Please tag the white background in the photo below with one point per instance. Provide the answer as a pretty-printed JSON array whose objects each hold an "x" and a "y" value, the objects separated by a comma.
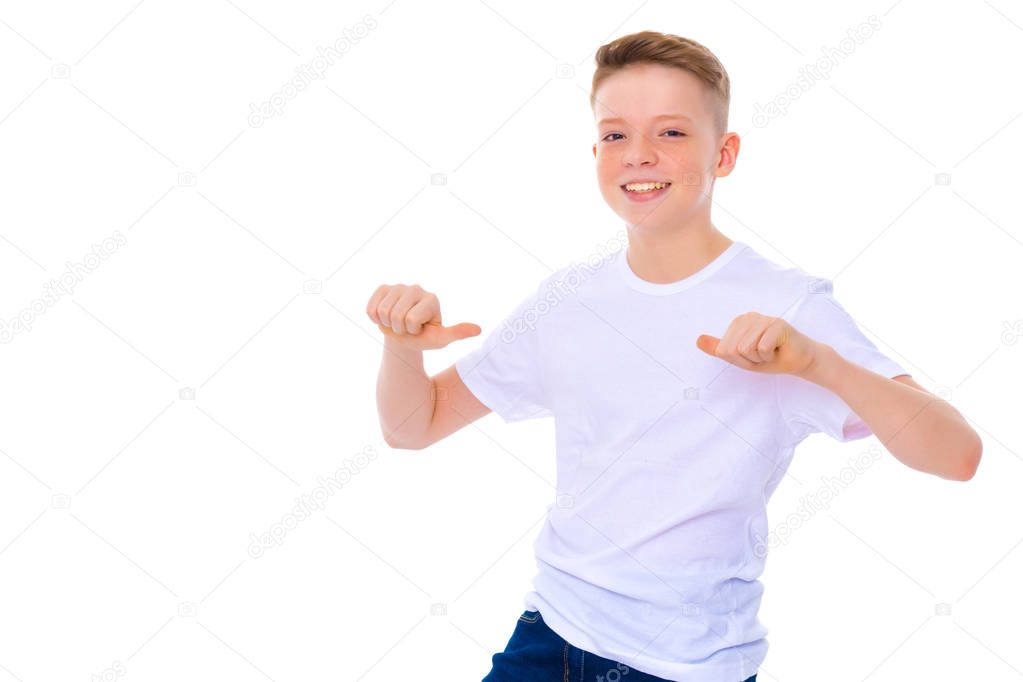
[{"x": 128, "y": 509}]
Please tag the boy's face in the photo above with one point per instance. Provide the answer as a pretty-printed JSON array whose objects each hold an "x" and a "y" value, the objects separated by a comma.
[{"x": 661, "y": 128}]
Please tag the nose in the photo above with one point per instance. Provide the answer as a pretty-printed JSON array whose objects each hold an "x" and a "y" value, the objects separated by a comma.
[{"x": 639, "y": 152}]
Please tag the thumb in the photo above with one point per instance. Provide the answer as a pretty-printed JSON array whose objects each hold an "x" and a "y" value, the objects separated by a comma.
[
  {"x": 708, "y": 344},
  {"x": 460, "y": 331}
]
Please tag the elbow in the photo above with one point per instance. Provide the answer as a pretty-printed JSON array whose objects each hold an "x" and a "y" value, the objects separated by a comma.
[
  {"x": 397, "y": 445},
  {"x": 970, "y": 462},
  {"x": 396, "y": 437},
  {"x": 420, "y": 443}
]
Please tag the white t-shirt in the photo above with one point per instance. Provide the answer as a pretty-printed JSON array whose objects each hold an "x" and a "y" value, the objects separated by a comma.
[{"x": 666, "y": 456}]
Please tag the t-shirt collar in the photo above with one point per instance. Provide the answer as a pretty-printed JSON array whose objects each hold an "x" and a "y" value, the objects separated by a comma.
[{"x": 642, "y": 285}]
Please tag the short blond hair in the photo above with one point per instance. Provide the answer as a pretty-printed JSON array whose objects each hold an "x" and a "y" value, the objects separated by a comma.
[{"x": 652, "y": 47}]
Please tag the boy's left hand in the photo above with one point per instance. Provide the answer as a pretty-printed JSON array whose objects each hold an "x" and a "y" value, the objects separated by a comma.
[{"x": 761, "y": 343}]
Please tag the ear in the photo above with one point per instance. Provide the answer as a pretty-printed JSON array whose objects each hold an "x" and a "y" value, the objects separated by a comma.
[
  {"x": 728, "y": 155},
  {"x": 594, "y": 150}
]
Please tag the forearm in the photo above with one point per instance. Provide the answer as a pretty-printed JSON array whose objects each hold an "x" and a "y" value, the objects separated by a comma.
[
  {"x": 405, "y": 396},
  {"x": 920, "y": 429}
]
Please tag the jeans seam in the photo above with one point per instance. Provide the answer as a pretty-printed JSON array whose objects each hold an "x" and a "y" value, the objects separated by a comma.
[{"x": 566, "y": 662}]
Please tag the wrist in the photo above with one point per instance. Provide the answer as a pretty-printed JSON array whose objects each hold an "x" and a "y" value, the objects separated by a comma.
[
  {"x": 827, "y": 367},
  {"x": 402, "y": 351}
]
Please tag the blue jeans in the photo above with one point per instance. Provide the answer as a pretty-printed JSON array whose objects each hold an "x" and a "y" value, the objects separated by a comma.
[{"x": 538, "y": 654}]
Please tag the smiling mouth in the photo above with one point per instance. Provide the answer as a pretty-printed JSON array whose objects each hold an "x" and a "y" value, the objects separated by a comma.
[
  {"x": 645, "y": 187},
  {"x": 645, "y": 191}
]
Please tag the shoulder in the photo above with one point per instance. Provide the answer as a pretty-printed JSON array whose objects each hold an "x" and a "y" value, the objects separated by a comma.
[
  {"x": 777, "y": 287},
  {"x": 578, "y": 273}
]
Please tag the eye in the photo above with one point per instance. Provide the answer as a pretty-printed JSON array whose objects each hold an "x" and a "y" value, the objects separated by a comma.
[{"x": 679, "y": 134}]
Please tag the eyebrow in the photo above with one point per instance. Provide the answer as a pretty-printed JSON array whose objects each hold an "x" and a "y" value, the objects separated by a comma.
[{"x": 656, "y": 118}]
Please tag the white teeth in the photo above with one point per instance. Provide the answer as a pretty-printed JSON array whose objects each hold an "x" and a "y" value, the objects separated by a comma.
[{"x": 645, "y": 186}]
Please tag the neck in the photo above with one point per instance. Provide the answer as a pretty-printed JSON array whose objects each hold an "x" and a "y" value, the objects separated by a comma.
[{"x": 665, "y": 257}]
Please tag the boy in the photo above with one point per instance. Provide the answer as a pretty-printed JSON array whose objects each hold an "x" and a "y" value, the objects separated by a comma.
[{"x": 669, "y": 439}]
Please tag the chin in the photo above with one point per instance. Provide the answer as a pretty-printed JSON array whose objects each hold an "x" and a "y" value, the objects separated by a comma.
[{"x": 640, "y": 222}]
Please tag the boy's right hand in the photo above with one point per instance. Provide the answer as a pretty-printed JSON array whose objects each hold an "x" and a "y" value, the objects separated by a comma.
[{"x": 410, "y": 315}]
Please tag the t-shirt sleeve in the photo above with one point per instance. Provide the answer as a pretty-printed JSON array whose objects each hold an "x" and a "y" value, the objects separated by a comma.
[
  {"x": 504, "y": 373},
  {"x": 807, "y": 407}
]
